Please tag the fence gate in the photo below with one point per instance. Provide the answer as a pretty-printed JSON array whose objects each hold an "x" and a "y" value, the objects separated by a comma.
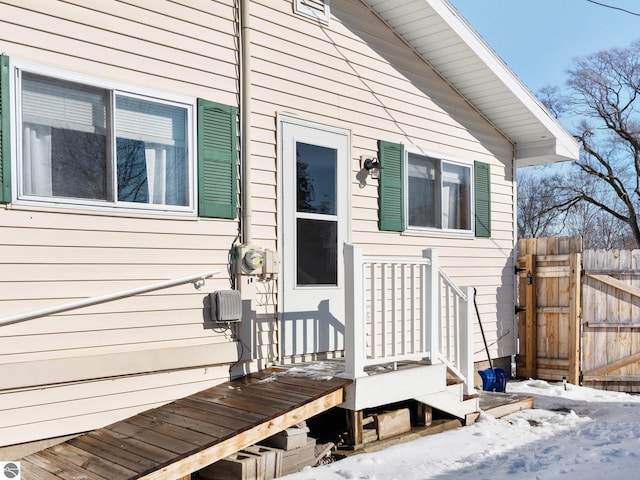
[
  {"x": 548, "y": 308},
  {"x": 611, "y": 320}
]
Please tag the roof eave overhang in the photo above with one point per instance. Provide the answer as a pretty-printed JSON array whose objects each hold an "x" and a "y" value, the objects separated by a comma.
[{"x": 503, "y": 100}]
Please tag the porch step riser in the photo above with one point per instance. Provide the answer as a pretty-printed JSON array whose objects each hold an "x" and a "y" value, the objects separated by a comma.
[
  {"x": 395, "y": 386},
  {"x": 451, "y": 401}
]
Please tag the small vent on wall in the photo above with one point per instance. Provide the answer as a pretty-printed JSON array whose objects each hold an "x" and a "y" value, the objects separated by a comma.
[
  {"x": 226, "y": 306},
  {"x": 316, "y": 9}
]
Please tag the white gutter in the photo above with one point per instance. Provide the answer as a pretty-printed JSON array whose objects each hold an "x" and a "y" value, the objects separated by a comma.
[{"x": 245, "y": 119}]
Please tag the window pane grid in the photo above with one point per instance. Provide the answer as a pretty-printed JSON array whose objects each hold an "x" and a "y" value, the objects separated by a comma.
[
  {"x": 438, "y": 193},
  {"x": 84, "y": 143}
]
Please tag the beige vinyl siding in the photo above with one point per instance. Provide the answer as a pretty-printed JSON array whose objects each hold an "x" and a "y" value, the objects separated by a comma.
[
  {"x": 357, "y": 74},
  {"x": 85, "y": 368},
  {"x": 174, "y": 47}
]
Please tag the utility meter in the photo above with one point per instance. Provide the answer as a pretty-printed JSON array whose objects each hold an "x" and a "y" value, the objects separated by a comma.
[{"x": 252, "y": 260}]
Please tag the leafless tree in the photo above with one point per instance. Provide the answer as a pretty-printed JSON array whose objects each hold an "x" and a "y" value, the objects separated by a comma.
[
  {"x": 537, "y": 215},
  {"x": 604, "y": 93}
]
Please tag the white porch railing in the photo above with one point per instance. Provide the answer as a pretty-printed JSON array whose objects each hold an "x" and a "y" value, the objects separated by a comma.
[{"x": 405, "y": 309}]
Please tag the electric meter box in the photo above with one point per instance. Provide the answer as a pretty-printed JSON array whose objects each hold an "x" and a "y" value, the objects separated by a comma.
[{"x": 252, "y": 260}]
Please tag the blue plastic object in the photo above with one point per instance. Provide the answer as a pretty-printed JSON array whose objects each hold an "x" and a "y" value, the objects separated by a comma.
[{"x": 493, "y": 379}]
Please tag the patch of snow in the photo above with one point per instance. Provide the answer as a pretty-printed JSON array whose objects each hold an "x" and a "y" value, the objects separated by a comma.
[{"x": 574, "y": 433}]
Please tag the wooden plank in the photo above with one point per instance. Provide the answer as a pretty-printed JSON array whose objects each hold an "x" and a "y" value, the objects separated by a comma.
[
  {"x": 617, "y": 284},
  {"x": 171, "y": 430},
  {"x": 190, "y": 408},
  {"x": 250, "y": 396},
  {"x": 355, "y": 424},
  {"x": 61, "y": 467},
  {"x": 241, "y": 404},
  {"x": 574, "y": 318},
  {"x": 30, "y": 470},
  {"x": 558, "y": 363},
  {"x": 189, "y": 422},
  {"x": 127, "y": 430},
  {"x": 611, "y": 325},
  {"x": 614, "y": 365},
  {"x": 246, "y": 438},
  {"x": 530, "y": 315},
  {"x": 555, "y": 271},
  {"x": 509, "y": 407},
  {"x": 552, "y": 310},
  {"x": 98, "y": 447},
  {"x": 611, "y": 378},
  {"x": 553, "y": 289},
  {"x": 547, "y": 258},
  {"x": 91, "y": 464}
]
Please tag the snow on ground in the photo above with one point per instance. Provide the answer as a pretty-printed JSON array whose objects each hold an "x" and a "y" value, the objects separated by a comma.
[{"x": 577, "y": 433}]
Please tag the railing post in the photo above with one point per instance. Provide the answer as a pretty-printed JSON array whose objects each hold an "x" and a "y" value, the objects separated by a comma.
[
  {"x": 433, "y": 304},
  {"x": 354, "y": 319},
  {"x": 466, "y": 341}
]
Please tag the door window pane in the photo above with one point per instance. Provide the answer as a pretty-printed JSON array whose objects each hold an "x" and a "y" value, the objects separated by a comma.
[
  {"x": 316, "y": 176},
  {"x": 317, "y": 252}
]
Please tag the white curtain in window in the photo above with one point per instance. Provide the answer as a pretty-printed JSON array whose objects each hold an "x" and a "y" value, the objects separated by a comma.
[
  {"x": 451, "y": 205},
  {"x": 455, "y": 182},
  {"x": 156, "y": 173},
  {"x": 165, "y": 179},
  {"x": 36, "y": 155}
]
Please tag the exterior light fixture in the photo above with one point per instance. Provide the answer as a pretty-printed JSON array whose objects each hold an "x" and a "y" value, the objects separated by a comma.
[{"x": 373, "y": 166}]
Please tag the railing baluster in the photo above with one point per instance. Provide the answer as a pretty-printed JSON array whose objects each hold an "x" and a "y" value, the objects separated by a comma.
[
  {"x": 383, "y": 310},
  {"x": 412, "y": 306},
  {"x": 394, "y": 309},
  {"x": 374, "y": 312}
]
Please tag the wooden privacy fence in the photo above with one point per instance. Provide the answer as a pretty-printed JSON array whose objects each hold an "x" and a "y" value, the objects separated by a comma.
[
  {"x": 611, "y": 319},
  {"x": 579, "y": 314},
  {"x": 548, "y": 308}
]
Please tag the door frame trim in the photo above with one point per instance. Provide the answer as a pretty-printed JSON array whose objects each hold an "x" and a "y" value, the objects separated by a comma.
[{"x": 281, "y": 119}]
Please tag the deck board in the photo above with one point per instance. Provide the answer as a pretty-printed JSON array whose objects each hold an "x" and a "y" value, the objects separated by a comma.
[{"x": 188, "y": 434}]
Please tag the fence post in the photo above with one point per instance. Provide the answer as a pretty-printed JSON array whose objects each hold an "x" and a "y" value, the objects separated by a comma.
[
  {"x": 354, "y": 319},
  {"x": 432, "y": 310},
  {"x": 466, "y": 342},
  {"x": 531, "y": 340},
  {"x": 575, "y": 286}
]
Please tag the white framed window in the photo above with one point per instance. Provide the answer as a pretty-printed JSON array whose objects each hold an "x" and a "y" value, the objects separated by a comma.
[
  {"x": 424, "y": 192},
  {"x": 438, "y": 193},
  {"x": 88, "y": 141},
  {"x": 315, "y": 9}
]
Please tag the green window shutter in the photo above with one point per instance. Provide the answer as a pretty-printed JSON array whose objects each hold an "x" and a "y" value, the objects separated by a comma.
[
  {"x": 391, "y": 186},
  {"x": 217, "y": 164},
  {"x": 483, "y": 199},
  {"x": 5, "y": 150}
]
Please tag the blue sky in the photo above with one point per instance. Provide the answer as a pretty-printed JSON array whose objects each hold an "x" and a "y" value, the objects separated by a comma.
[{"x": 539, "y": 39}]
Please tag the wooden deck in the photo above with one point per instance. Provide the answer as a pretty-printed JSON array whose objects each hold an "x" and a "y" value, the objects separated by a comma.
[{"x": 184, "y": 436}]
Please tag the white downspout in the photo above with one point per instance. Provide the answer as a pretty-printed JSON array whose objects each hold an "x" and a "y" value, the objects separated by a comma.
[
  {"x": 245, "y": 120},
  {"x": 515, "y": 258}
]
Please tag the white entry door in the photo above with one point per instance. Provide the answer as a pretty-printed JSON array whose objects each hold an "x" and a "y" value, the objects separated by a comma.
[{"x": 315, "y": 225}]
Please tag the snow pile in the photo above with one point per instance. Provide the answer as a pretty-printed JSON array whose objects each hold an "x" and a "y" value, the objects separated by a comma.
[{"x": 574, "y": 433}]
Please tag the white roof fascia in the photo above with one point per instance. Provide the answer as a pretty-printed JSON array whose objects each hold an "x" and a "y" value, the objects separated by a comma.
[{"x": 541, "y": 138}]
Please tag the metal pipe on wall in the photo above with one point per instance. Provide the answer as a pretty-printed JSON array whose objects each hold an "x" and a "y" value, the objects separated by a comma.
[{"x": 245, "y": 120}]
